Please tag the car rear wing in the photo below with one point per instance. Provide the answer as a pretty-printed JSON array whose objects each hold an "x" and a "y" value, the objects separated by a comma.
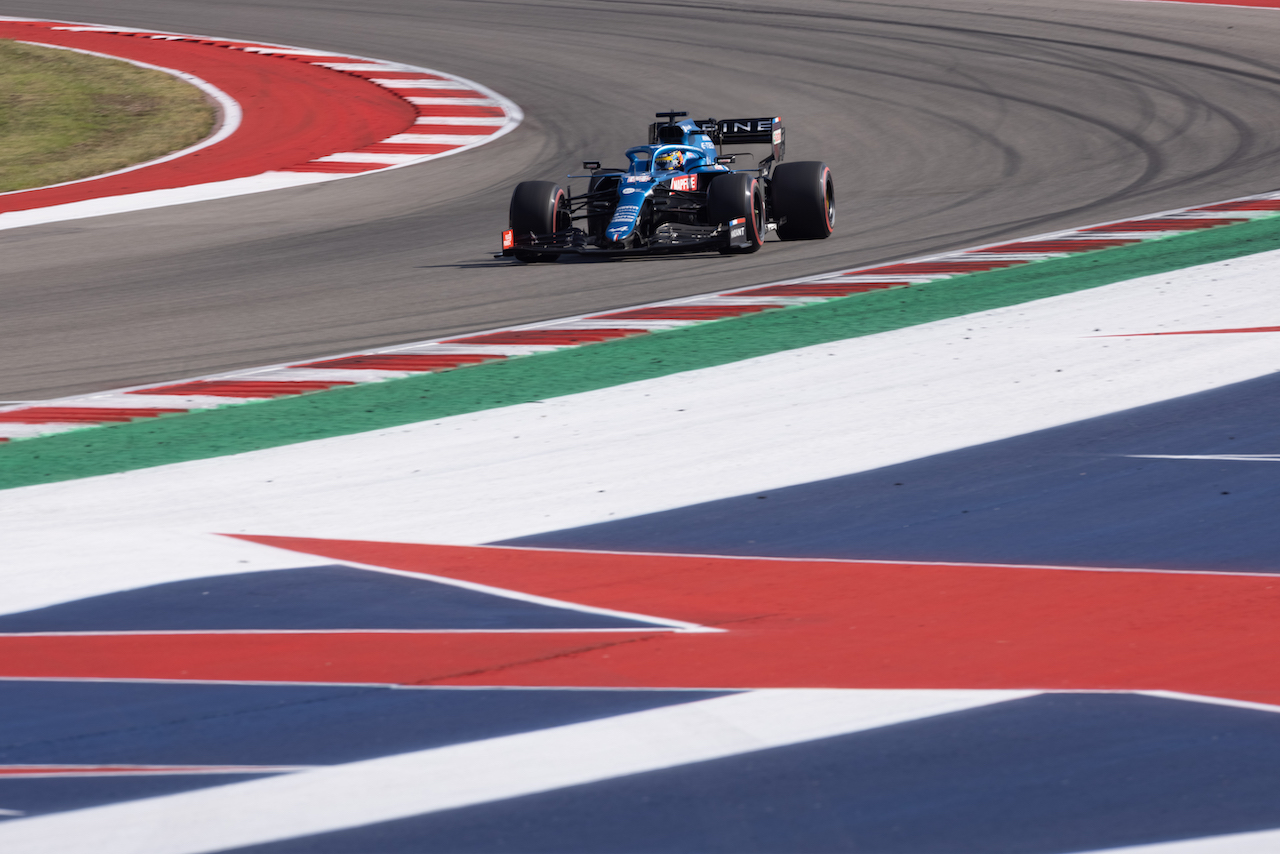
[{"x": 764, "y": 131}]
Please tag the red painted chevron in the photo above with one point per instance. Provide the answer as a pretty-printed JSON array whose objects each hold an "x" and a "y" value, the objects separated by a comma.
[{"x": 784, "y": 623}]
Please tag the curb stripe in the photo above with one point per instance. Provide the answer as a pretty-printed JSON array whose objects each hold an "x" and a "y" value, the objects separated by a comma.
[
  {"x": 1163, "y": 224},
  {"x": 380, "y": 400},
  {"x": 16, "y": 422},
  {"x": 245, "y": 389},
  {"x": 72, "y": 415},
  {"x": 484, "y": 114}
]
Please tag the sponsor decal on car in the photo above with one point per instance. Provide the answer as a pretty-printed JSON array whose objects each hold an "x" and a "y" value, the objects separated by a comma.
[
  {"x": 638, "y": 179},
  {"x": 622, "y": 222},
  {"x": 632, "y": 190},
  {"x": 685, "y": 183},
  {"x": 746, "y": 125},
  {"x": 508, "y": 239}
]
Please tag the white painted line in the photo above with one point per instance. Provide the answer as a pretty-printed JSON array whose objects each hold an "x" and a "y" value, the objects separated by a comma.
[
  {"x": 656, "y": 623},
  {"x": 1140, "y": 234},
  {"x": 1247, "y": 458},
  {"x": 1193, "y": 213},
  {"x": 1257, "y": 842},
  {"x": 453, "y": 102},
  {"x": 1215, "y": 701},
  {"x": 160, "y": 198},
  {"x": 438, "y": 349},
  {"x": 427, "y": 781},
  {"x": 496, "y": 121},
  {"x": 88, "y": 29},
  {"x": 337, "y": 375},
  {"x": 364, "y": 157},
  {"x": 110, "y": 401},
  {"x": 150, "y": 401},
  {"x": 369, "y": 65},
  {"x": 11, "y": 430},
  {"x": 874, "y": 279},
  {"x": 14, "y": 430},
  {"x": 434, "y": 139},
  {"x": 280, "y": 51},
  {"x": 638, "y": 325},
  {"x": 416, "y": 84},
  {"x": 273, "y": 374}
]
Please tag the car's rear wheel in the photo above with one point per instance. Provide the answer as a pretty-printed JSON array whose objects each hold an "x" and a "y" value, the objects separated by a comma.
[
  {"x": 738, "y": 196},
  {"x": 538, "y": 208},
  {"x": 804, "y": 200}
]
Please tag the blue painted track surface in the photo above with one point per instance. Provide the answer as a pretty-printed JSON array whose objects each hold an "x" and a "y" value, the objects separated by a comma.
[
  {"x": 306, "y": 598},
  {"x": 114, "y": 723},
  {"x": 1066, "y": 496},
  {"x": 1052, "y": 773}
]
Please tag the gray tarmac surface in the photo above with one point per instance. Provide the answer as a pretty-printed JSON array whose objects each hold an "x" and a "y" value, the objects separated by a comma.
[{"x": 947, "y": 123}]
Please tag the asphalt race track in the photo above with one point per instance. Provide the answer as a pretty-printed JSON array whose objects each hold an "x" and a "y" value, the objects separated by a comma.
[
  {"x": 985, "y": 565},
  {"x": 947, "y": 124}
]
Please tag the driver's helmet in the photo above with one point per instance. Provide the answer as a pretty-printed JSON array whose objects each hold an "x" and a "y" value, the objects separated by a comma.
[{"x": 670, "y": 160}]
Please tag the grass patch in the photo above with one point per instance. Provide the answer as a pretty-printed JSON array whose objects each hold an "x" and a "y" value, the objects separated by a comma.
[{"x": 66, "y": 115}]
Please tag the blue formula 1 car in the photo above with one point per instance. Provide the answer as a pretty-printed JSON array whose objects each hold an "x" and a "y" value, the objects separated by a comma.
[{"x": 677, "y": 194}]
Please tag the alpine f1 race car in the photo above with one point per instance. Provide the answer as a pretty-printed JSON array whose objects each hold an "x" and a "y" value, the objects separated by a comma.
[{"x": 677, "y": 194}]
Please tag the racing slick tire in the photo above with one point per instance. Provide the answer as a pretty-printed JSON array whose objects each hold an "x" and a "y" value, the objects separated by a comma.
[
  {"x": 804, "y": 200},
  {"x": 541, "y": 208},
  {"x": 738, "y": 196}
]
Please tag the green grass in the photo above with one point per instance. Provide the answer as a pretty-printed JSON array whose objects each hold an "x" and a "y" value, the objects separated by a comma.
[{"x": 65, "y": 115}]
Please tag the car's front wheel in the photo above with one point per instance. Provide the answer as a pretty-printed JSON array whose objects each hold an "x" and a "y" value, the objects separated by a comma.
[
  {"x": 538, "y": 208},
  {"x": 738, "y": 196}
]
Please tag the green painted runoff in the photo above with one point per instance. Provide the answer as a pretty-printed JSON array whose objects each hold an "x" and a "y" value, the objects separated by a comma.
[{"x": 244, "y": 427}]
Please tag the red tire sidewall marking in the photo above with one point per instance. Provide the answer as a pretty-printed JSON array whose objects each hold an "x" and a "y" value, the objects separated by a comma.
[
  {"x": 751, "y": 211},
  {"x": 828, "y": 212}
]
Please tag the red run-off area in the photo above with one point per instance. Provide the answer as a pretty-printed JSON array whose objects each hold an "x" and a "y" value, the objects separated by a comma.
[
  {"x": 785, "y": 623},
  {"x": 288, "y": 111}
]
